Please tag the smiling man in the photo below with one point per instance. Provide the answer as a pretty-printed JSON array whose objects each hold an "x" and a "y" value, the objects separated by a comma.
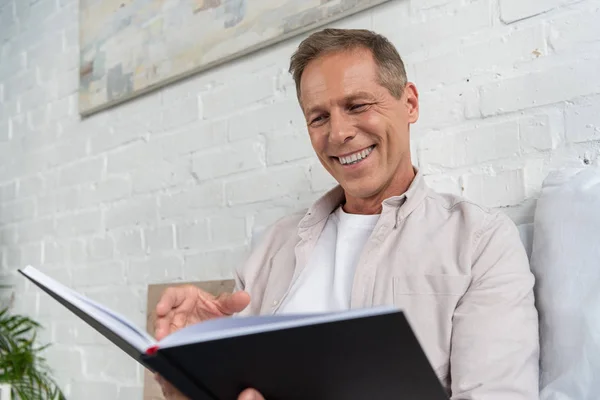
[{"x": 457, "y": 269}]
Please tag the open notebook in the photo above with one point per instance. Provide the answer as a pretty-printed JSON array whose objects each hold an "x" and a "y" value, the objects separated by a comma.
[{"x": 364, "y": 353}]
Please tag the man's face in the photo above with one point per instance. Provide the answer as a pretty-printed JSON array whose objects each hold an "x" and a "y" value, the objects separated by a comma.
[{"x": 359, "y": 131}]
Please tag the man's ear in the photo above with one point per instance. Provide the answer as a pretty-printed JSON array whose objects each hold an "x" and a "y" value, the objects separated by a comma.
[{"x": 411, "y": 95}]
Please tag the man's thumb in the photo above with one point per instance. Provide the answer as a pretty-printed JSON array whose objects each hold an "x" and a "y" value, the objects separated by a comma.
[{"x": 233, "y": 303}]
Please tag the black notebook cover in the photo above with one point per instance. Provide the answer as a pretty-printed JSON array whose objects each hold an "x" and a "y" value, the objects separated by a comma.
[{"x": 375, "y": 357}]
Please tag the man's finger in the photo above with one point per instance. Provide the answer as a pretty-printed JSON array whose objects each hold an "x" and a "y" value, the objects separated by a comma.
[
  {"x": 250, "y": 394},
  {"x": 171, "y": 298},
  {"x": 233, "y": 303}
]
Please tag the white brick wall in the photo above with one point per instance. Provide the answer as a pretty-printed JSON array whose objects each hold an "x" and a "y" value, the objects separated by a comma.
[{"x": 171, "y": 185}]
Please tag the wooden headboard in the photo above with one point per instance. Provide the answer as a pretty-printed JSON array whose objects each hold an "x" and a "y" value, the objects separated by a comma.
[{"x": 151, "y": 388}]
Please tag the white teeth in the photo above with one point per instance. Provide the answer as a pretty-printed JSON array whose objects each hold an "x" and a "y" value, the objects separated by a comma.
[{"x": 356, "y": 157}]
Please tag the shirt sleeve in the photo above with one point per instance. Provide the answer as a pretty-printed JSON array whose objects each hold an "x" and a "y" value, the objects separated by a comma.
[{"x": 495, "y": 338}]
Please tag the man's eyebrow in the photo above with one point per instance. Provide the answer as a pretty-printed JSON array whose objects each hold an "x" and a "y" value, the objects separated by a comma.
[
  {"x": 359, "y": 95},
  {"x": 346, "y": 99}
]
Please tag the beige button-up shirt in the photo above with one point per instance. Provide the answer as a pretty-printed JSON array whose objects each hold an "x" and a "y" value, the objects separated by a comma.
[{"x": 458, "y": 270}]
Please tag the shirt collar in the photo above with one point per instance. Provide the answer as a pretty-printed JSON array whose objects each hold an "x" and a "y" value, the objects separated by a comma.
[{"x": 402, "y": 204}]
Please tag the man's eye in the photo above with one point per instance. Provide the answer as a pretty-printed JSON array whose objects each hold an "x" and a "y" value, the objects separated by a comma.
[
  {"x": 358, "y": 107},
  {"x": 317, "y": 120}
]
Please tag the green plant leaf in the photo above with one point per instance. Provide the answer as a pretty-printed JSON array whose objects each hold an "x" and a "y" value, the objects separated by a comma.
[{"x": 21, "y": 363}]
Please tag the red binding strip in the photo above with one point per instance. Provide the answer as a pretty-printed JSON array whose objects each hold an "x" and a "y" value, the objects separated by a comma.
[{"x": 152, "y": 350}]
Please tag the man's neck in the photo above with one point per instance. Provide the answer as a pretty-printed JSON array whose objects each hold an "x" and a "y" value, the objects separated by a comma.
[{"x": 373, "y": 205}]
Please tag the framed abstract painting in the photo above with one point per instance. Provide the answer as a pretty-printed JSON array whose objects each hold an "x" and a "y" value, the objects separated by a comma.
[{"x": 129, "y": 47}]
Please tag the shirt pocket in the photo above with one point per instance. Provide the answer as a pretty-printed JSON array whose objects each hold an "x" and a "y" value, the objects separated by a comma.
[{"x": 428, "y": 302}]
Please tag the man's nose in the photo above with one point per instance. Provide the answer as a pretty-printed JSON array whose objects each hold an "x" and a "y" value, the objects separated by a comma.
[{"x": 341, "y": 129}]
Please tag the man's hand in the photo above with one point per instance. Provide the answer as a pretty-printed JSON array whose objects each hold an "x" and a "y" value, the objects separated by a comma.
[
  {"x": 185, "y": 305},
  {"x": 171, "y": 393}
]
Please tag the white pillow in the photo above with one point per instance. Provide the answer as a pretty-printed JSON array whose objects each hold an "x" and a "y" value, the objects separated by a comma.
[{"x": 566, "y": 262}]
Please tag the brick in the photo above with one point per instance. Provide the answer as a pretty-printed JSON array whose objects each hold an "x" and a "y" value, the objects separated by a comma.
[
  {"x": 213, "y": 265},
  {"x": 564, "y": 38},
  {"x": 227, "y": 230},
  {"x": 128, "y": 242},
  {"x": 278, "y": 117},
  {"x": 44, "y": 49},
  {"x": 8, "y": 191},
  {"x": 19, "y": 128},
  {"x": 583, "y": 120},
  {"x": 484, "y": 59},
  {"x": 72, "y": 251},
  {"x": 39, "y": 118},
  {"x": 87, "y": 171},
  {"x": 542, "y": 131},
  {"x": 106, "y": 191},
  {"x": 135, "y": 155},
  {"x": 159, "y": 238},
  {"x": 64, "y": 359},
  {"x": 320, "y": 179},
  {"x": 83, "y": 223},
  {"x": 102, "y": 140},
  {"x": 192, "y": 138},
  {"x": 8, "y": 234},
  {"x": 285, "y": 148},
  {"x": 22, "y": 82},
  {"x": 161, "y": 175},
  {"x": 17, "y": 211},
  {"x": 123, "y": 299},
  {"x": 64, "y": 332},
  {"x": 40, "y": 10},
  {"x": 237, "y": 95},
  {"x": 205, "y": 195},
  {"x": 444, "y": 184},
  {"x": 87, "y": 335},
  {"x": 265, "y": 217},
  {"x": 13, "y": 257},
  {"x": 31, "y": 185},
  {"x": 61, "y": 108},
  {"x": 10, "y": 67},
  {"x": 59, "y": 201},
  {"x": 156, "y": 269},
  {"x": 109, "y": 363},
  {"x": 446, "y": 106},
  {"x": 132, "y": 212},
  {"x": 91, "y": 390},
  {"x": 501, "y": 189},
  {"x": 5, "y": 131},
  {"x": 130, "y": 392},
  {"x": 229, "y": 160},
  {"x": 36, "y": 230},
  {"x": 450, "y": 24},
  {"x": 515, "y": 10},
  {"x": 34, "y": 98},
  {"x": 66, "y": 17},
  {"x": 31, "y": 254},
  {"x": 101, "y": 248},
  {"x": 180, "y": 113},
  {"x": 98, "y": 274},
  {"x": 263, "y": 185},
  {"x": 193, "y": 236},
  {"x": 470, "y": 146},
  {"x": 55, "y": 251},
  {"x": 77, "y": 251},
  {"x": 536, "y": 89}
]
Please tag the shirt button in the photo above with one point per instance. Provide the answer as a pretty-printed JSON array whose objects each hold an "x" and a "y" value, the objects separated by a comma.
[{"x": 275, "y": 302}]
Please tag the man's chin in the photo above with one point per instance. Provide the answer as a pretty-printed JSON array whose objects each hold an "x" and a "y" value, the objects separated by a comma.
[{"x": 360, "y": 188}]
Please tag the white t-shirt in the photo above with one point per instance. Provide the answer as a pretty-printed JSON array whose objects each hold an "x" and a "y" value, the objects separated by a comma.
[{"x": 325, "y": 284}]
